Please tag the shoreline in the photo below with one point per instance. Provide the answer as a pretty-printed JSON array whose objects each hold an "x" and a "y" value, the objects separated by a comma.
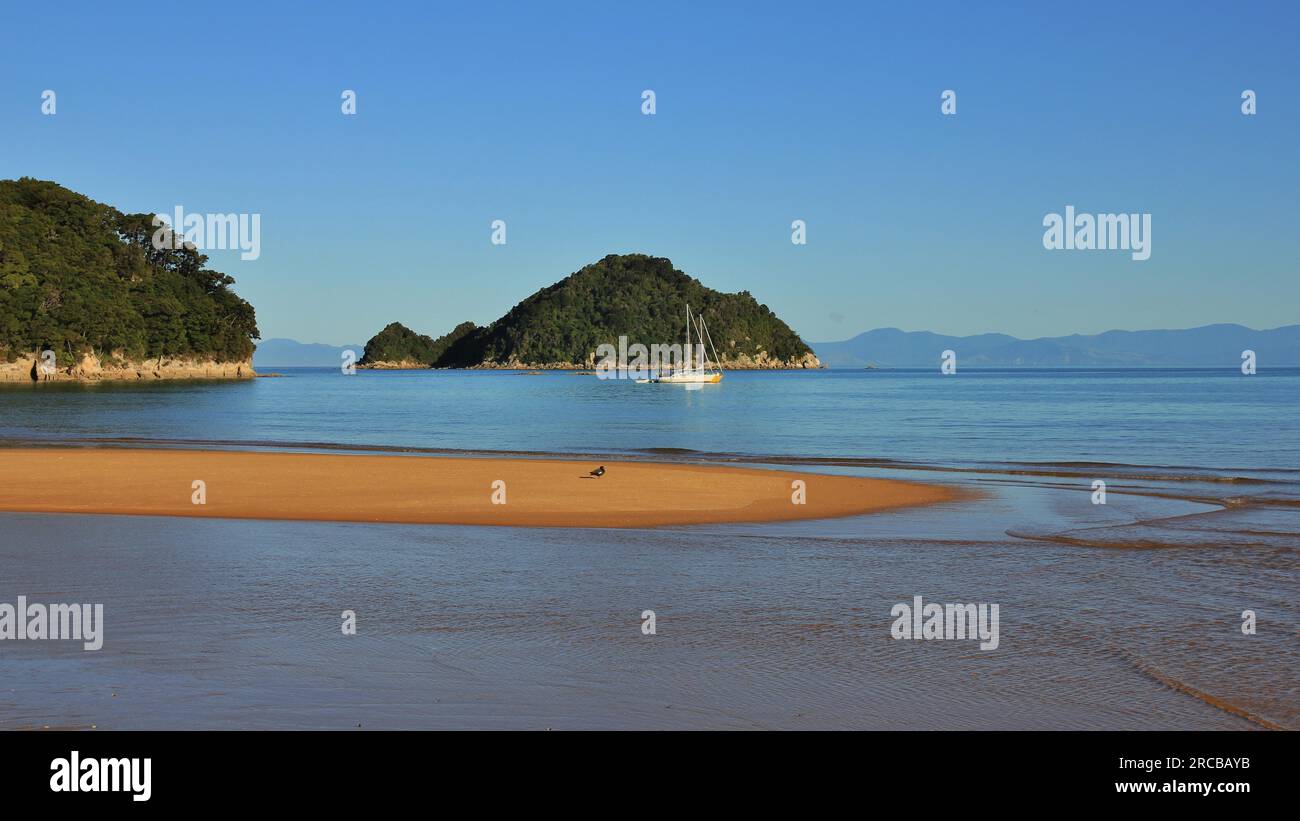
[
  {"x": 26, "y": 369},
  {"x": 557, "y": 367},
  {"x": 432, "y": 490}
]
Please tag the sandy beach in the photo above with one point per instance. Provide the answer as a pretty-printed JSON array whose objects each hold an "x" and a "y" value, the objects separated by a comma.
[{"x": 423, "y": 490}]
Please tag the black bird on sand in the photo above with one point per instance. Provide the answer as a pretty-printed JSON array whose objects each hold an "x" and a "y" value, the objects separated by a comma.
[{"x": 598, "y": 472}]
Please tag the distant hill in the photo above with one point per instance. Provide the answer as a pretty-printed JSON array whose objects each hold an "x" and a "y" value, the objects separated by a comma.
[
  {"x": 289, "y": 353},
  {"x": 641, "y": 297},
  {"x": 84, "y": 280},
  {"x": 1210, "y": 345}
]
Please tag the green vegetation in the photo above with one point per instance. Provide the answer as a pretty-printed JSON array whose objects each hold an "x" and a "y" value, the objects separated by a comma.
[
  {"x": 641, "y": 297},
  {"x": 77, "y": 277},
  {"x": 398, "y": 343}
]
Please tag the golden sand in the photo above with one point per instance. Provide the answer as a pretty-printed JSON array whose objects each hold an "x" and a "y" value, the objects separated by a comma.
[{"x": 429, "y": 490}]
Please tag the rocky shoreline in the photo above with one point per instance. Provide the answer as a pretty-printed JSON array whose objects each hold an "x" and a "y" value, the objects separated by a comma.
[
  {"x": 403, "y": 365},
  {"x": 744, "y": 362},
  {"x": 29, "y": 368}
]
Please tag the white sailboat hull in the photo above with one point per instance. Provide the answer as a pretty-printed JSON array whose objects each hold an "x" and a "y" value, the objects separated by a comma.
[
  {"x": 697, "y": 371},
  {"x": 688, "y": 378}
]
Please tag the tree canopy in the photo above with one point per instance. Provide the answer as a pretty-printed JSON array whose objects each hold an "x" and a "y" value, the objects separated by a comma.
[
  {"x": 398, "y": 343},
  {"x": 77, "y": 277},
  {"x": 641, "y": 297}
]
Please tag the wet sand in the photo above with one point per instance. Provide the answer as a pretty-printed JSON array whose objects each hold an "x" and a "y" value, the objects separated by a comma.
[
  {"x": 235, "y": 624},
  {"x": 425, "y": 490}
]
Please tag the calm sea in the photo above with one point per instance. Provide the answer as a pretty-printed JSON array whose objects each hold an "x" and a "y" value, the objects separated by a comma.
[{"x": 1122, "y": 615}]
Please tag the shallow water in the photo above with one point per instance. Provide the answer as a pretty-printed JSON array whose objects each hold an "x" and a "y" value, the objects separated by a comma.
[
  {"x": 1123, "y": 615},
  {"x": 1197, "y": 418}
]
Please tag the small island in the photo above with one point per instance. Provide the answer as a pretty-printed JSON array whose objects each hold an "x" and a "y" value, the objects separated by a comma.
[
  {"x": 559, "y": 327},
  {"x": 397, "y": 347},
  {"x": 84, "y": 282}
]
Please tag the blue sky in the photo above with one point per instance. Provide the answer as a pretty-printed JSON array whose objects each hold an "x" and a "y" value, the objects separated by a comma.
[{"x": 766, "y": 113}]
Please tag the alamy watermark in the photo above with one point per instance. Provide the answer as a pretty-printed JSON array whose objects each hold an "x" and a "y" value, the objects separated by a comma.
[
  {"x": 1248, "y": 362},
  {"x": 209, "y": 232},
  {"x": 638, "y": 361},
  {"x": 1098, "y": 232},
  {"x": 128, "y": 775},
  {"x": 946, "y": 621},
  {"x": 53, "y": 622}
]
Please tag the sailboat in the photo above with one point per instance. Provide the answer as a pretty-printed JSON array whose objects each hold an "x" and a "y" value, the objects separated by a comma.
[{"x": 694, "y": 373}]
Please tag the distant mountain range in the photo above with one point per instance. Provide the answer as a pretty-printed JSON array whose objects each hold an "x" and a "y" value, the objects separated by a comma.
[
  {"x": 289, "y": 353},
  {"x": 1207, "y": 346}
]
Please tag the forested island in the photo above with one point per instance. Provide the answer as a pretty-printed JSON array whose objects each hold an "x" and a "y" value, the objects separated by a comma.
[
  {"x": 641, "y": 297},
  {"x": 397, "y": 346},
  {"x": 84, "y": 281},
  {"x": 85, "y": 294}
]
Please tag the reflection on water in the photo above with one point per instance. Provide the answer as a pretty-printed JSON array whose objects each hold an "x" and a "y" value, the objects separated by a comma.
[{"x": 1123, "y": 615}]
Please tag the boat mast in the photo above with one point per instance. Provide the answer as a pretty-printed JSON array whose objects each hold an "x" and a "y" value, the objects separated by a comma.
[
  {"x": 702, "y": 330},
  {"x": 690, "y": 353},
  {"x": 698, "y": 364},
  {"x": 700, "y": 337}
]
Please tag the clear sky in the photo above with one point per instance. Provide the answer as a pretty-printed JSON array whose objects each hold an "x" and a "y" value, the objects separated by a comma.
[{"x": 765, "y": 113}]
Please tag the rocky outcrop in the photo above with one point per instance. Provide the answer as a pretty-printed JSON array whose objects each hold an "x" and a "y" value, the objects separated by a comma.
[
  {"x": 31, "y": 368},
  {"x": 764, "y": 362},
  {"x": 741, "y": 362},
  {"x": 515, "y": 365},
  {"x": 403, "y": 365}
]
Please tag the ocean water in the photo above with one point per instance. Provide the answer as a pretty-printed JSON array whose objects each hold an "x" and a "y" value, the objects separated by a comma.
[{"x": 1123, "y": 615}]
